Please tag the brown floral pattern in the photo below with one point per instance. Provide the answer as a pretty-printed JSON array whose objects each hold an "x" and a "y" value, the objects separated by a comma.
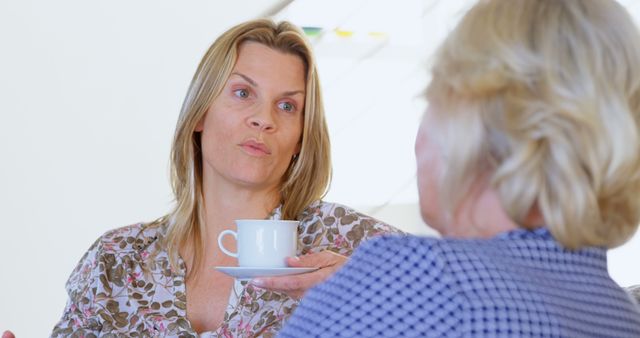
[{"x": 124, "y": 284}]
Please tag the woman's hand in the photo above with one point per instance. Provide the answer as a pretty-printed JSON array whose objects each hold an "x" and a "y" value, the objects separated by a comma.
[{"x": 295, "y": 286}]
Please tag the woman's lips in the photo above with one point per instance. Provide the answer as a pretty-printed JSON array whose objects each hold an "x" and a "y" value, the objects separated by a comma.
[{"x": 255, "y": 148}]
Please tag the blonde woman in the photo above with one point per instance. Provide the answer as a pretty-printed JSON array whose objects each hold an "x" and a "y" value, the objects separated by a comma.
[
  {"x": 529, "y": 166},
  {"x": 251, "y": 142}
]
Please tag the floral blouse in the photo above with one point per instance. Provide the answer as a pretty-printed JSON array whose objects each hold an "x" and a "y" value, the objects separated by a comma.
[{"x": 124, "y": 284}]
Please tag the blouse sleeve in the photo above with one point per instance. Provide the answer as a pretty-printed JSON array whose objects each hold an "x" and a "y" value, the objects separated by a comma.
[
  {"x": 78, "y": 318},
  {"x": 338, "y": 228}
]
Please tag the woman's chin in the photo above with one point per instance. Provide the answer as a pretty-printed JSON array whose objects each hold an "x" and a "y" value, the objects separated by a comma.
[{"x": 257, "y": 182}]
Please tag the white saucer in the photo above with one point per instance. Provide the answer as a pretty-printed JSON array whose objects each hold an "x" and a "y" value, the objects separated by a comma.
[{"x": 248, "y": 273}]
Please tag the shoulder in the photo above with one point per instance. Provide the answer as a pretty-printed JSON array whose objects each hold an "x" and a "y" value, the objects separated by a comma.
[
  {"x": 127, "y": 239},
  {"x": 408, "y": 262},
  {"x": 336, "y": 210},
  {"x": 324, "y": 210},
  {"x": 393, "y": 251},
  {"x": 391, "y": 283},
  {"x": 444, "y": 259},
  {"x": 337, "y": 227},
  {"x": 335, "y": 214},
  {"x": 107, "y": 252},
  {"x": 441, "y": 252}
]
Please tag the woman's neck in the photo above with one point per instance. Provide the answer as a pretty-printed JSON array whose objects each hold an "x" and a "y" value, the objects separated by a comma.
[
  {"x": 223, "y": 205},
  {"x": 225, "y": 202},
  {"x": 481, "y": 215}
]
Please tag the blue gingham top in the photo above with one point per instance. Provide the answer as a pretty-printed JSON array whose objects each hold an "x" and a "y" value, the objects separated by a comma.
[{"x": 518, "y": 284}]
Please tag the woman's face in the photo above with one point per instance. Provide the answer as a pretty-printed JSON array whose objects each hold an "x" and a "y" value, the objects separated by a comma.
[
  {"x": 253, "y": 128},
  {"x": 429, "y": 162}
]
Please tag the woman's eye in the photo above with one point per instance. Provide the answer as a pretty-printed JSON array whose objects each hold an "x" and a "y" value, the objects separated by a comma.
[
  {"x": 286, "y": 106},
  {"x": 241, "y": 93}
]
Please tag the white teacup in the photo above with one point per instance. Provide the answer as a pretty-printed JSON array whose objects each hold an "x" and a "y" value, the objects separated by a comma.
[{"x": 263, "y": 243}]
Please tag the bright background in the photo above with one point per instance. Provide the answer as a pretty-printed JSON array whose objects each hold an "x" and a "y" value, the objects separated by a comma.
[{"x": 90, "y": 92}]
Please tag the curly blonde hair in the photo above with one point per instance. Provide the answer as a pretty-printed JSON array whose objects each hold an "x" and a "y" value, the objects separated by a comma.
[{"x": 545, "y": 96}]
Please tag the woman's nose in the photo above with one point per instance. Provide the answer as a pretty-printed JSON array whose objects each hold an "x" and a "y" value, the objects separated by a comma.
[{"x": 262, "y": 120}]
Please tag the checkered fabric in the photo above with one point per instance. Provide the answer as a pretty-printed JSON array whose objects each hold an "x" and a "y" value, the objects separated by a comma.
[
  {"x": 634, "y": 291},
  {"x": 518, "y": 284}
]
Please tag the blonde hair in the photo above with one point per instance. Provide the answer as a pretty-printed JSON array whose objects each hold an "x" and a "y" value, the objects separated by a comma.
[
  {"x": 544, "y": 96},
  {"x": 308, "y": 175}
]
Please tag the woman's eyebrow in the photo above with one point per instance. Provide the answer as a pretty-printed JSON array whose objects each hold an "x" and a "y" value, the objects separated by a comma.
[
  {"x": 248, "y": 79},
  {"x": 294, "y": 92},
  {"x": 253, "y": 83}
]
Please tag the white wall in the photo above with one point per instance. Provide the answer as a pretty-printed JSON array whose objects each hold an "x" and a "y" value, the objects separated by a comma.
[{"x": 89, "y": 96}]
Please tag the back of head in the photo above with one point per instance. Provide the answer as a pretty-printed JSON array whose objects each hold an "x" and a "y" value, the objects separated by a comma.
[{"x": 545, "y": 97}]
